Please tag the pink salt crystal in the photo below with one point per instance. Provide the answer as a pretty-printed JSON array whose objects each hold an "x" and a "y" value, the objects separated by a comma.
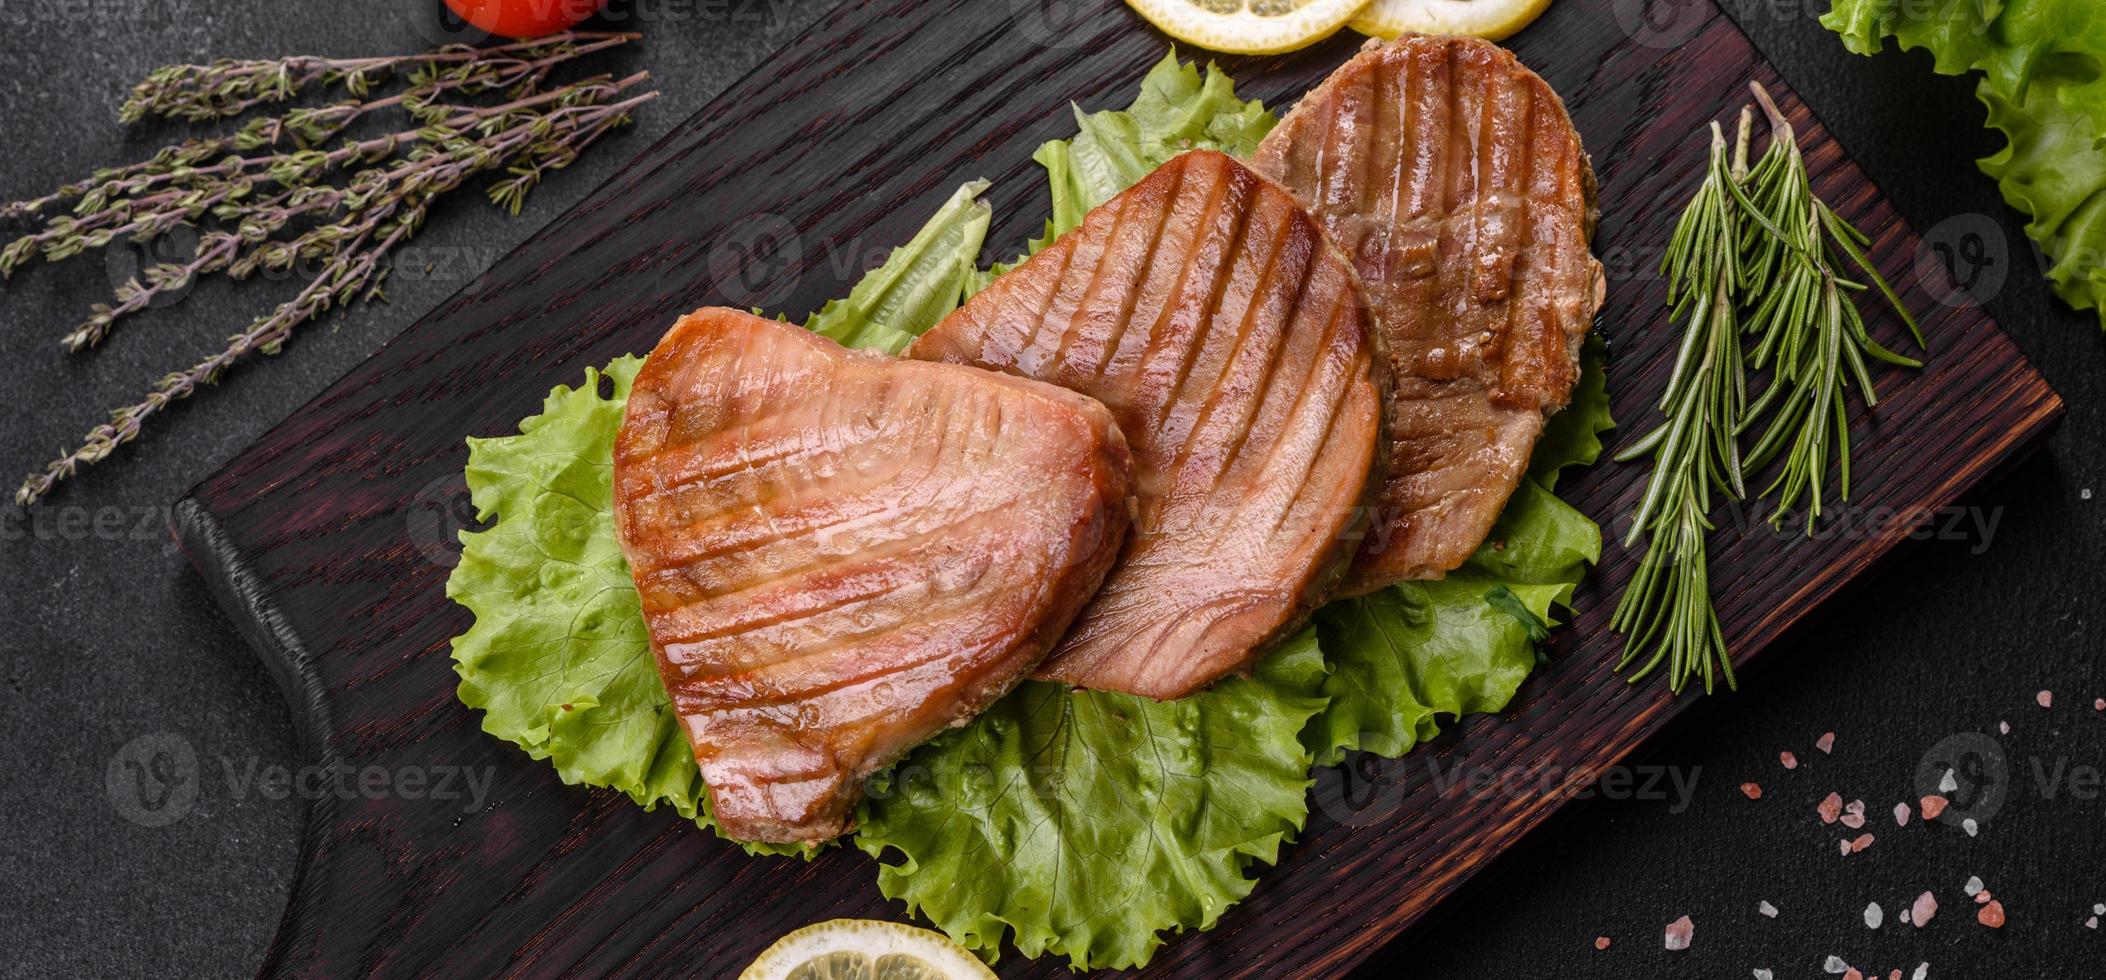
[
  {"x": 1751, "y": 790},
  {"x": 1982, "y": 897},
  {"x": 1852, "y": 974},
  {"x": 1844, "y": 846},
  {"x": 1894, "y": 974},
  {"x": 1932, "y": 806},
  {"x": 1854, "y": 815},
  {"x": 2046, "y": 699},
  {"x": 1991, "y": 915},
  {"x": 1679, "y": 932},
  {"x": 1901, "y": 814},
  {"x": 1925, "y": 907},
  {"x": 2003, "y": 728},
  {"x": 2091, "y": 923},
  {"x": 1831, "y": 807},
  {"x": 1790, "y": 761},
  {"x": 1826, "y": 743},
  {"x": 1863, "y": 841},
  {"x": 2099, "y": 705},
  {"x": 1601, "y": 942}
]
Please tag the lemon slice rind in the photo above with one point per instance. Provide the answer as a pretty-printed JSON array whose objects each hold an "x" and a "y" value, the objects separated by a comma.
[
  {"x": 1244, "y": 32},
  {"x": 1493, "y": 20},
  {"x": 872, "y": 938}
]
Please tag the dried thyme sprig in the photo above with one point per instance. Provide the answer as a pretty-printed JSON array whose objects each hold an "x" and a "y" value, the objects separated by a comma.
[
  {"x": 312, "y": 126},
  {"x": 361, "y": 223},
  {"x": 230, "y": 87},
  {"x": 219, "y": 189}
]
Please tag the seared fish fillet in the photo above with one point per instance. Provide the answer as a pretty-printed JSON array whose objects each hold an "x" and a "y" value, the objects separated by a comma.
[
  {"x": 1230, "y": 340},
  {"x": 1453, "y": 178},
  {"x": 841, "y": 554}
]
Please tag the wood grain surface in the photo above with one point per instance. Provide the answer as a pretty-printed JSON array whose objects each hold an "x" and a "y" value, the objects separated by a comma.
[{"x": 330, "y": 539}]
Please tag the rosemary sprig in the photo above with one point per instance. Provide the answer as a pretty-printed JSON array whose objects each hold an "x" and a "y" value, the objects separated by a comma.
[
  {"x": 343, "y": 210},
  {"x": 1805, "y": 329},
  {"x": 1666, "y": 612},
  {"x": 1755, "y": 254}
]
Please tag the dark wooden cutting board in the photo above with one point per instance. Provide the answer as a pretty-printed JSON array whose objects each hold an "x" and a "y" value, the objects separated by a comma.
[{"x": 330, "y": 539}]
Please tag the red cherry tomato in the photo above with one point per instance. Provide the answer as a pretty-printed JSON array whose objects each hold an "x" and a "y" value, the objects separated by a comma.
[{"x": 524, "y": 18}]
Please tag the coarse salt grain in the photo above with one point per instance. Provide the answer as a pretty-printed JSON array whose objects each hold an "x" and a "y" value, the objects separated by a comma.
[
  {"x": 1901, "y": 814},
  {"x": 1947, "y": 783},
  {"x": 1932, "y": 806},
  {"x": 1826, "y": 743},
  {"x": 1762, "y": 974},
  {"x": 2099, "y": 909},
  {"x": 1751, "y": 791},
  {"x": 1830, "y": 808},
  {"x": 1835, "y": 964},
  {"x": 1790, "y": 761},
  {"x": 1767, "y": 909},
  {"x": 1970, "y": 826},
  {"x": 1678, "y": 933},
  {"x": 1925, "y": 907},
  {"x": 2046, "y": 699},
  {"x": 1601, "y": 942},
  {"x": 1922, "y": 970},
  {"x": 1874, "y": 915},
  {"x": 1974, "y": 884},
  {"x": 1991, "y": 915},
  {"x": 2003, "y": 727}
]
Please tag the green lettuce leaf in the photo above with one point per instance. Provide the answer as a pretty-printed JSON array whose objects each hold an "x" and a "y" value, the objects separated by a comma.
[
  {"x": 1180, "y": 108},
  {"x": 1088, "y": 823},
  {"x": 2042, "y": 80},
  {"x": 1413, "y": 652},
  {"x": 918, "y": 285}
]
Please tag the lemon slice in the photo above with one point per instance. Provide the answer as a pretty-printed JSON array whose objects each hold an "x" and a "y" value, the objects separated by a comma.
[
  {"x": 865, "y": 949},
  {"x": 1493, "y": 20},
  {"x": 1249, "y": 26}
]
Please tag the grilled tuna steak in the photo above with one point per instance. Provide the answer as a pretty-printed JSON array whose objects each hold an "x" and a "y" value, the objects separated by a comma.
[
  {"x": 841, "y": 554},
  {"x": 1230, "y": 341},
  {"x": 1452, "y": 177}
]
